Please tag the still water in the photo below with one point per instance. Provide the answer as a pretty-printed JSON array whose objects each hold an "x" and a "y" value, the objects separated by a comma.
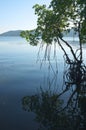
[{"x": 22, "y": 73}]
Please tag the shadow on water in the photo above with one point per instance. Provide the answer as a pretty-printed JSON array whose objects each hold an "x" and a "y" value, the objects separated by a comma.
[{"x": 53, "y": 112}]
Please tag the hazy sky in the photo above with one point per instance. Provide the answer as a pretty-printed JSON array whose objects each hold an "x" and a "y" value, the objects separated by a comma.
[{"x": 18, "y": 14}]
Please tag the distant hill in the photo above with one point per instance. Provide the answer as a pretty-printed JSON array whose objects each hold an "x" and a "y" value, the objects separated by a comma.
[
  {"x": 17, "y": 33},
  {"x": 11, "y": 33},
  {"x": 71, "y": 33}
]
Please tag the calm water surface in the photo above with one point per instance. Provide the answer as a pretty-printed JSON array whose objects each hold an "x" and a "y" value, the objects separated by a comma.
[{"x": 21, "y": 75}]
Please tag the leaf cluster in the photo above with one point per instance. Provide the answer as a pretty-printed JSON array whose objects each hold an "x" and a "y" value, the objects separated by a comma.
[{"x": 59, "y": 16}]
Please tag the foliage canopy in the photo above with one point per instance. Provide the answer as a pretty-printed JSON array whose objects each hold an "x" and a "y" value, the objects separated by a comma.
[{"x": 61, "y": 15}]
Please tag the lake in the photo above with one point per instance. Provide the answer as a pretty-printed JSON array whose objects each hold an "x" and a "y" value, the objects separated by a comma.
[{"x": 22, "y": 72}]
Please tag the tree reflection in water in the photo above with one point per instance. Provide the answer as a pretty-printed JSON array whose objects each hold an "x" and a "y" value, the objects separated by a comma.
[{"x": 49, "y": 107}]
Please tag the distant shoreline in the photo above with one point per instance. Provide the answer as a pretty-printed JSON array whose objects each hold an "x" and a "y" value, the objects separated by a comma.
[
  {"x": 11, "y": 33},
  {"x": 17, "y": 33}
]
